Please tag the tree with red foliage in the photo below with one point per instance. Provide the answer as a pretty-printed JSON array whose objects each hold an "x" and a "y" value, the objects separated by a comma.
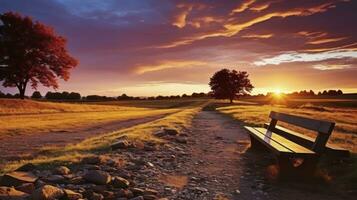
[
  {"x": 226, "y": 84},
  {"x": 31, "y": 52}
]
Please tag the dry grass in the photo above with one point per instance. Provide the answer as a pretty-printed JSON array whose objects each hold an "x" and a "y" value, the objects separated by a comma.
[
  {"x": 27, "y": 117},
  {"x": 143, "y": 132},
  {"x": 344, "y": 134}
]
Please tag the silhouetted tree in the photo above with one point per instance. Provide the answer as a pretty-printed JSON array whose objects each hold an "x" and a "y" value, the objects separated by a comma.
[
  {"x": 36, "y": 95},
  {"x": 31, "y": 52},
  {"x": 74, "y": 96},
  {"x": 226, "y": 84}
]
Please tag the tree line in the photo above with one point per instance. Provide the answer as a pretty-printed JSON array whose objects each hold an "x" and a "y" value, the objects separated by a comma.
[
  {"x": 75, "y": 96},
  {"x": 310, "y": 93}
]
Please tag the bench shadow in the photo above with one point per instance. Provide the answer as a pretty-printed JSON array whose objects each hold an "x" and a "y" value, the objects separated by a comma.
[{"x": 337, "y": 177}]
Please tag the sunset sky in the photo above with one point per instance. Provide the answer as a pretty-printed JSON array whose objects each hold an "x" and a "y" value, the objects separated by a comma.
[{"x": 154, "y": 47}]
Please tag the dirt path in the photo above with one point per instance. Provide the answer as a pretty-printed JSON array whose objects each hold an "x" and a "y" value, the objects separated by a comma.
[
  {"x": 25, "y": 146},
  {"x": 221, "y": 166}
]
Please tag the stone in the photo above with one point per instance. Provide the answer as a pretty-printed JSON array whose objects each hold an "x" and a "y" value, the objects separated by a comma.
[
  {"x": 71, "y": 195},
  {"x": 10, "y": 193},
  {"x": 137, "y": 191},
  {"x": 97, "y": 177},
  {"x": 181, "y": 140},
  {"x": 47, "y": 192},
  {"x": 17, "y": 178},
  {"x": 26, "y": 167},
  {"x": 150, "y": 197},
  {"x": 55, "y": 179},
  {"x": 121, "y": 144},
  {"x": 165, "y": 132},
  {"x": 94, "y": 160},
  {"x": 62, "y": 170},
  {"x": 137, "y": 198},
  {"x": 125, "y": 193},
  {"x": 120, "y": 182},
  {"x": 150, "y": 192},
  {"x": 26, "y": 187},
  {"x": 96, "y": 196}
]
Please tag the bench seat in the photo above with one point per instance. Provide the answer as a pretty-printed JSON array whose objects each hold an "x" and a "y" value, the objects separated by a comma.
[
  {"x": 278, "y": 144},
  {"x": 307, "y": 141}
]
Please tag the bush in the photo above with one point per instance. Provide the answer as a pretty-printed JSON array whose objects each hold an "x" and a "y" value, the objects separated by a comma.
[{"x": 36, "y": 95}]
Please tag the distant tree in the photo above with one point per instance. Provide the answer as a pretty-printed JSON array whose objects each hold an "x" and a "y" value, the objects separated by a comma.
[
  {"x": 74, "y": 96},
  {"x": 324, "y": 92},
  {"x": 339, "y": 92},
  {"x": 226, "y": 84},
  {"x": 31, "y": 52},
  {"x": 184, "y": 96},
  {"x": 36, "y": 95}
]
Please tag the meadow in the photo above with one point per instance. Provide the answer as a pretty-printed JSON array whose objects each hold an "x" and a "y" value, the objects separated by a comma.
[{"x": 28, "y": 116}]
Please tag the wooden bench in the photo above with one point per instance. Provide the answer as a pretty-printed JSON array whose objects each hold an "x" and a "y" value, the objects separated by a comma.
[{"x": 295, "y": 152}]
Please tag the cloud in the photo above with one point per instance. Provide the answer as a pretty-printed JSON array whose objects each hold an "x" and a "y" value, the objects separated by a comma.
[
  {"x": 230, "y": 28},
  {"x": 180, "y": 18},
  {"x": 305, "y": 57},
  {"x": 142, "y": 69},
  {"x": 261, "y": 7},
  {"x": 326, "y": 40},
  {"x": 257, "y": 36},
  {"x": 244, "y": 6},
  {"x": 325, "y": 67},
  {"x": 347, "y": 47}
]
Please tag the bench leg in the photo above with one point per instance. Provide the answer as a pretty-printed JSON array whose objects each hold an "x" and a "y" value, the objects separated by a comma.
[
  {"x": 297, "y": 167},
  {"x": 255, "y": 144}
]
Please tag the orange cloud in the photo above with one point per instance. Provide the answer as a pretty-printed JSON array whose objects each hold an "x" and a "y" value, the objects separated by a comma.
[
  {"x": 260, "y": 7},
  {"x": 180, "y": 18},
  {"x": 244, "y": 6},
  {"x": 231, "y": 29},
  {"x": 348, "y": 47},
  {"x": 262, "y": 36},
  {"x": 325, "y": 67},
  {"x": 166, "y": 65},
  {"x": 326, "y": 40},
  {"x": 312, "y": 34}
]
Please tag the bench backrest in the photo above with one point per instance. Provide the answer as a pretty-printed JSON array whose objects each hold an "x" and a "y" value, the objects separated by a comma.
[{"x": 323, "y": 128}]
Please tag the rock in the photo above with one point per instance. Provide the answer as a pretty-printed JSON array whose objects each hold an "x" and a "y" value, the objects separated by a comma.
[
  {"x": 94, "y": 160},
  {"x": 26, "y": 167},
  {"x": 47, "y": 192},
  {"x": 166, "y": 131},
  {"x": 125, "y": 193},
  {"x": 137, "y": 191},
  {"x": 62, "y": 170},
  {"x": 55, "y": 179},
  {"x": 137, "y": 198},
  {"x": 26, "y": 187},
  {"x": 201, "y": 189},
  {"x": 181, "y": 140},
  {"x": 121, "y": 144},
  {"x": 9, "y": 193},
  {"x": 150, "y": 197},
  {"x": 97, "y": 177},
  {"x": 150, "y": 192},
  {"x": 71, "y": 195},
  {"x": 96, "y": 196},
  {"x": 17, "y": 178},
  {"x": 120, "y": 182}
]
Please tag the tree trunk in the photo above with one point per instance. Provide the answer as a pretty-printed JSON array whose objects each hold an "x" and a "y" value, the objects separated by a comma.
[
  {"x": 22, "y": 89},
  {"x": 231, "y": 100}
]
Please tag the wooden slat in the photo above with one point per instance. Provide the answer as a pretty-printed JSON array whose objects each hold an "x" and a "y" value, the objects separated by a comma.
[
  {"x": 311, "y": 124},
  {"x": 268, "y": 142},
  {"x": 292, "y": 146}
]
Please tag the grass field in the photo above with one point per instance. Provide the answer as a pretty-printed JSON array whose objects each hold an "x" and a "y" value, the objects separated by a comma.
[
  {"x": 342, "y": 111},
  {"x": 179, "y": 119},
  {"x": 26, "y": 117}
]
